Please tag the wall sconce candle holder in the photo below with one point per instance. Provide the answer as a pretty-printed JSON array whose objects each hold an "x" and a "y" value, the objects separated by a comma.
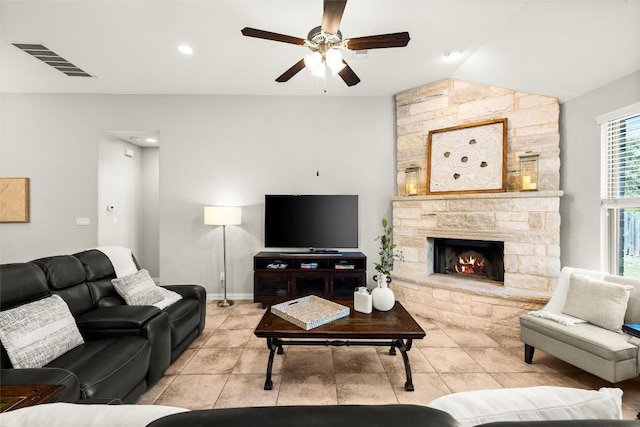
[
  {"x": 411, "y": 180},
  {"x": 529, "y": 172}
]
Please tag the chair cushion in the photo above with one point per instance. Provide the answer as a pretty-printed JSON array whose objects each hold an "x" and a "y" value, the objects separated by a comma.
[
  {"x": 598, "y": 302},
  {"x": 593, "y": 339},
  {"x": 184, "y": 317},
  {"x": 21, "y": 283},
  {"x": 38, "y": 332},
  {"x": 138, "y": 288}
]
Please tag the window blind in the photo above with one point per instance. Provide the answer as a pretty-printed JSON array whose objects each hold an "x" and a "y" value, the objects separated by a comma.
[{"x": 621, "y": 160}]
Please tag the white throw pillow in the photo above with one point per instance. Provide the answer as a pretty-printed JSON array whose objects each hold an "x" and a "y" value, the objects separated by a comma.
[
  {"x": 472, "y": 408},
  {"x": 138, "y": 289},
  {"x": 598, "y": 302},
  {"x": 36, "y": 333},
  {"x": 86, "y": 415}
]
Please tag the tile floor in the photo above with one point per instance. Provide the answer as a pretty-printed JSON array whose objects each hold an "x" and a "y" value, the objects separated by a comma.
[{"x": 225, "y": 367}]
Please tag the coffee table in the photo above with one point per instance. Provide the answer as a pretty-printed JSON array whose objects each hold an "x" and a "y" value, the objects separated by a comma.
[
  {"x": 395, "y": 328},
  {"x": 21, "y": 396}
]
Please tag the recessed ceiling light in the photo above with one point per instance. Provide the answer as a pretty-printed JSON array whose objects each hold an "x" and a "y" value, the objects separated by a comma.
[
  {"x": 187, "y": 50},
  {"x": 151, "y": 140},
  {"x": 454, "y": 54}
]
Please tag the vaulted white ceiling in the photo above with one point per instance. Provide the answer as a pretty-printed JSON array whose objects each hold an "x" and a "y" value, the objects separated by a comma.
[{"x": 561, "y": 48}]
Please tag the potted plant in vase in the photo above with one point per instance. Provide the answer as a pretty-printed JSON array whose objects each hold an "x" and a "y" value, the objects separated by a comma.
[{"x": 383, "y": 298}]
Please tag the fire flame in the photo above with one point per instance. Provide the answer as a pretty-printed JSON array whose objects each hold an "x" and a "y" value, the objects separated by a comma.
[{"x": 468, "y": 265}]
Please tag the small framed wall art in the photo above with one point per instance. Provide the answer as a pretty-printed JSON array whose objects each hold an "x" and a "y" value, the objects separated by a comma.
[
  {"x": 470, "y": 158},
  {"x": 14, "y": 199}
]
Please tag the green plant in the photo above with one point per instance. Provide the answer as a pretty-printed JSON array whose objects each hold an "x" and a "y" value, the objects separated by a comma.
[{"x": 388, "y": 252}]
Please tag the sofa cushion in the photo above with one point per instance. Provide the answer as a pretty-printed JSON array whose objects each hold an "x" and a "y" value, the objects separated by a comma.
[
  {"x": 598, "y": 302},
  {"x": 312, "y": 416},
  {"x": 37, "y": 332},
  {"x": 118, "y": 318},
  {"x": 86, "y": 415},
  {"x": 62, "y": 271},
  {"x": 108, "y": 368},
  {"x": 531, "y": 404},
  {"x": 138, "y": 288},
  {"x": 593, "y": 339},
  {"x": 21, "y": 283}
]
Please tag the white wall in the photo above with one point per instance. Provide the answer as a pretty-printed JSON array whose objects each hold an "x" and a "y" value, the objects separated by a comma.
[
  {"x": 120, "y": 186},
  {"x": 580, "y": 168},
  {"x": 215, "y": 150},
  {"x": 149, "y": 254}
]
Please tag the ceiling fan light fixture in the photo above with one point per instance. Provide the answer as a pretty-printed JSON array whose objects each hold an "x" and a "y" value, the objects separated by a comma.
[{"x": 333, "y": 59}]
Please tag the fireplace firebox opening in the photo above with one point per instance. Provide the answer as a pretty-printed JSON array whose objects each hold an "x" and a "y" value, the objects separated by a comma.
[{"x": 477, "y": 259}]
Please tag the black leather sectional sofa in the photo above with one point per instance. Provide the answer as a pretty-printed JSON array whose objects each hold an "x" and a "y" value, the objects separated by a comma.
[{"x": 126, "y": 349}]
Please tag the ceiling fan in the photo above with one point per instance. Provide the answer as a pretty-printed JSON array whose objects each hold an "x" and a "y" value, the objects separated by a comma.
[{"x": 325, "y": 43}]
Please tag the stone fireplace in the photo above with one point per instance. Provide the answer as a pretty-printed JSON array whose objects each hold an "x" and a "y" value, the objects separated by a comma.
[{"x": 512, "y": 237}]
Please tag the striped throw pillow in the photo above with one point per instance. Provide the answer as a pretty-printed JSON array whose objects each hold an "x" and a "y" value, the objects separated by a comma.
[{"x": 36, "y": 333}]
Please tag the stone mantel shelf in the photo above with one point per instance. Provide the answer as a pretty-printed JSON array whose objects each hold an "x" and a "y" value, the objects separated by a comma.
[
  {"x": 466, "y": 196},
  {"x": 476, "y": 287}
]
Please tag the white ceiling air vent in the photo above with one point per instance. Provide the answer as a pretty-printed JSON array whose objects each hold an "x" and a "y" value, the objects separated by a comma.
[{"x": 49, "y": 57}]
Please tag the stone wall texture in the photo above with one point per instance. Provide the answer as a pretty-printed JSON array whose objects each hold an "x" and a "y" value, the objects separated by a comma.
[{"x": 527, "y": 222}]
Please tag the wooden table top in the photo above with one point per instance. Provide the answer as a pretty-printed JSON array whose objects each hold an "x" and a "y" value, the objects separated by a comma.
[
  {"x": 21, "y": 396},
  {"x": 396, "y": 323}
]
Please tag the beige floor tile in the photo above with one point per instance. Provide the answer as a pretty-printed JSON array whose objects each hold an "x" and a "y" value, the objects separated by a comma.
[
  {"x": 254, "y": 361},
  {"x": 241, "y": 321},
  {"x": 303, "y": 360},
  {"x": 247, "y": 390},
  {"x": 468, "y": 381},
  {"x": 307, "y": 389},
  {"x": 255, "y": 342},
  {"x": 426, "y": 324},
  {"x": 508, "y": 341},
  {"x": 356, "y": 360},
  {"x": 364, "y": 389},
  {"x": 533, "y": 379},
  {"x": 435, "y": 338},
  {"x": 178, "y": 365},
  {"x": 213, "y": 361},
  {"x": 201, "y": 339},
  {"x": 466, "y": 338},
  {"x": 151, "y": 395},
  {"x": 543, "y": 362},
  {"x": 498, "y": 360},
  {"x": 417, "y": 361},
  {"x": 427, "y": 387},
  {"x": 249, "y": 309},
  {"x": 450, "y": 360},
  {"x": 229, "y": 338},
  {"x": 193, "y": 391},
  {"x": 213, "y": 321}
]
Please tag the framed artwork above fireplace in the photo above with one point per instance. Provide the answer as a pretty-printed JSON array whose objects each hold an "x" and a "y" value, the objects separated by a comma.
[{"x": 470, "y": 158}]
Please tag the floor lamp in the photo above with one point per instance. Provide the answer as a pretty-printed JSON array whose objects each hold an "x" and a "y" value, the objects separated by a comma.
[{"x": 223, "y": 215}]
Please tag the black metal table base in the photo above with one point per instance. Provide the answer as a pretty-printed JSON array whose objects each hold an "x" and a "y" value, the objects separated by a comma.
[{"x": 404, "y": 345}]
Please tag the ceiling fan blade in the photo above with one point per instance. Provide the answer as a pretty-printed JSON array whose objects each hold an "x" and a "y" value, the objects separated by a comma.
[
  {"x": 349, "y": 77},
  {"x": 268, "y": 35},
  {"x": 333, "y": 10},
  {"x": 284, "y": 77},
  {"x": 379, "y": 41}
]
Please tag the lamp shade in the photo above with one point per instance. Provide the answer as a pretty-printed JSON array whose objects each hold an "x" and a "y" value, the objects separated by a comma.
[{"x": 222, "y": 215}]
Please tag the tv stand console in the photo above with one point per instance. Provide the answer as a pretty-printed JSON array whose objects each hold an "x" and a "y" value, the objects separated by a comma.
[{"x": 281, "y": 276}]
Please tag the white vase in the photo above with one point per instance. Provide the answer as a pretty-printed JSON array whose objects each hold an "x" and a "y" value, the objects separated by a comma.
[{"x": 383, "y": 298}]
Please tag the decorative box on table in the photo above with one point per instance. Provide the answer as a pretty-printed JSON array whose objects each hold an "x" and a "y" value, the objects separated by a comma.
[{"x": 310, "y": 312}]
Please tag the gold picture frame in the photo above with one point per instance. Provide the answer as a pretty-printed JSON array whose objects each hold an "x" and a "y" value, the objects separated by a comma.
[
  {"x": 470, "y": 158},
  {"x": 14, "y": 200}
]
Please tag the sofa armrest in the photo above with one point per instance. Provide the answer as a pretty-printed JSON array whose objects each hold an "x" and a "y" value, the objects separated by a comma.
[
  {"x": 196, "y": 292},
  {"x": 115, "y": 321},
  {"x": 36, "y": 376}
]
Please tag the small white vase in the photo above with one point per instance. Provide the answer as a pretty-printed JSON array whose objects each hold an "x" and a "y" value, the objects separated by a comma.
[{"x": 383, "y": 298}]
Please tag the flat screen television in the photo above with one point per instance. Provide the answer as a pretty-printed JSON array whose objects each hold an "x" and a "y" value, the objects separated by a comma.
[{"x": 316, "y": 222}]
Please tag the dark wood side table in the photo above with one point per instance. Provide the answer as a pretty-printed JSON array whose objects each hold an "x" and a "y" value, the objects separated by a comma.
[
  {"x": 21, "y": 396},
  {"x": 395, "y": 328}
]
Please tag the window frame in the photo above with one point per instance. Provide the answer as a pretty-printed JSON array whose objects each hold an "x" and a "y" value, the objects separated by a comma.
[{"x": 610, "y": 208}]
